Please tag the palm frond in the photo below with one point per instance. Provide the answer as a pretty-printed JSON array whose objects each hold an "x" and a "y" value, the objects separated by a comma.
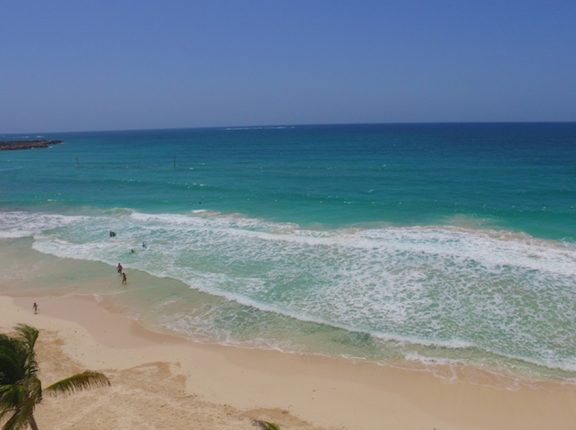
[
  {"x": 11, "y": 344},
  {"x": 33, "y": 388},
  {"x": 20, "y": 388},
  {"x": 27, "y": 334},
  {"x": 267, "y": 425},
  {"x": 5, "y": 409},
  {"x": 14, "y": 422},
  {"x": 81, "y": 381},
  {"x": 11, "y": 368},
  {"x": 21, "y": 416},
  {"x": 17, "y": 357},
  {"x": 5, "y": 339},
  {"x": 12, "y": 395}
]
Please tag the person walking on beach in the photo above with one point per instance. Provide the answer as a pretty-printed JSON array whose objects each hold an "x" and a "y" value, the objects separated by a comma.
[
  {"x": 35, "y": 307},
  {"x": 119, "y": 268},
  {"x": 124, "y": 278}
]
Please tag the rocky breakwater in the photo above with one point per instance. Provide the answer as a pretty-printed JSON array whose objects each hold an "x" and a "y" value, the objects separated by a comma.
[{"x": 11, "y": 145}]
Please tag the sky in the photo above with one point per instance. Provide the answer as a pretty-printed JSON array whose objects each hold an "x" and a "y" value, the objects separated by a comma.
[{"x": 78, "y": 65}]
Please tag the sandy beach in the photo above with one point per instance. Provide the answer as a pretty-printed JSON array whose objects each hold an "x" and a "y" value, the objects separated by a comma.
[
  {"x": 303, "y": 215},
  {"x": 164, "y": 382}
]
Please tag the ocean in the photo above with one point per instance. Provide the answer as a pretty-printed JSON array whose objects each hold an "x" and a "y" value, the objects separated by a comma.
[{"x": 426, "y": 243}]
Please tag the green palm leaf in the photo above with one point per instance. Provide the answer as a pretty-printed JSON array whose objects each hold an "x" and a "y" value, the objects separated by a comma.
[
  {"x": 13, "y": 358},
  {"x": 28, "y": 335},
  {"x": 21, "y": 417},
  {"x": 20, "y": 388},
  {"x": 12, "y": 395},
  {"x": 15, "y": 422},
  {"x": 10, "y": 398},
  {"x": 267, "y": 425},
  {"x": 78, "y": 382}
]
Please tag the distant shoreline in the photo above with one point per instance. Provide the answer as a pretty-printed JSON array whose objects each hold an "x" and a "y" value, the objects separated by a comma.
[{"x": 14, "y": 145}]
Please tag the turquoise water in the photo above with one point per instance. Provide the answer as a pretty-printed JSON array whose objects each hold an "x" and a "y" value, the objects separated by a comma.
[{"x": 438, "y": 243}]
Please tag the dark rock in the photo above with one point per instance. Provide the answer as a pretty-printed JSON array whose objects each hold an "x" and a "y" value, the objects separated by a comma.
[{"x": 11, "y": 145}]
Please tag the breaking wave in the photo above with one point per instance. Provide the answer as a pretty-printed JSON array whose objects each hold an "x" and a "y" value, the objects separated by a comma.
[{"x": 498, "y": 292}]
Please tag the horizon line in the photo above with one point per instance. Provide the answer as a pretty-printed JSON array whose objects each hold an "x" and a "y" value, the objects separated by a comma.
[{"x": 287, "y": 126}]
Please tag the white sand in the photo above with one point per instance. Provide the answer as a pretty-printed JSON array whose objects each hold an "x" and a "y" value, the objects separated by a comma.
[{"x": 160, "y": 382}]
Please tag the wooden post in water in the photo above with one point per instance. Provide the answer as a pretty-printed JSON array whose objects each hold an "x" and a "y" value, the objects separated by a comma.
[
  {"x": 77, "y": 162},
  {"x": 174, "y": 163}
]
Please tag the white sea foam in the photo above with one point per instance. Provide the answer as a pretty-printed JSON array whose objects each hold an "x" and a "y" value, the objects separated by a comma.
[
  {"x": 505, "y": 294},
  {"x": 17, "y": 224}
]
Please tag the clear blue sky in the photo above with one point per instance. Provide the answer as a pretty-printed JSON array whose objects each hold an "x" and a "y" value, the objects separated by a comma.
[{"x": 128, "y": 64}]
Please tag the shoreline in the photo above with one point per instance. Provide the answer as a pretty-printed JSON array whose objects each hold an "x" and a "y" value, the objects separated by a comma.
[
  {"x": 145, "y": 393},
  {"x": 326, "y": 391},
  {"x": 98, "y": 279}
]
